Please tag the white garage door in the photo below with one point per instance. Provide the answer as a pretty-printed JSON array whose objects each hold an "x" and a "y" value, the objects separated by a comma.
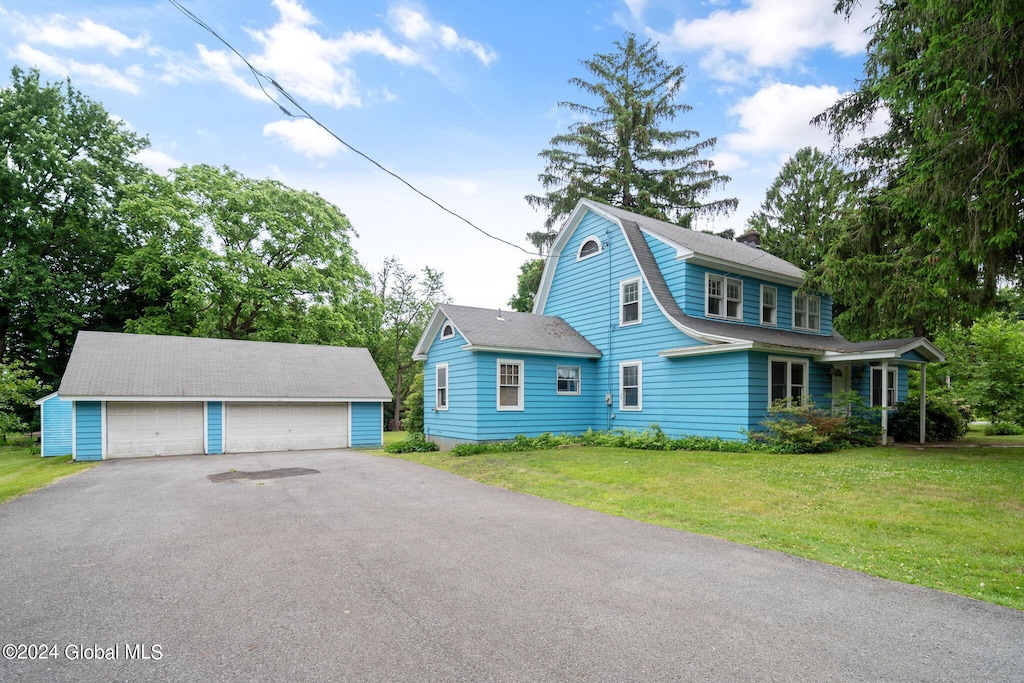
[
  {"x": 154, "y": 428},
  {"x": 255, "y": 427}
]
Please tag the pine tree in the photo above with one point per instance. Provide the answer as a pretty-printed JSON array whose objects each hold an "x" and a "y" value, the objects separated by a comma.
[{"x": 620, "y": 154}]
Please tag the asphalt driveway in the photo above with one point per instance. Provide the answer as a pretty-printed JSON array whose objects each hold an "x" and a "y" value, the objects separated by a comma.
[{"x": 377, "y": 569}]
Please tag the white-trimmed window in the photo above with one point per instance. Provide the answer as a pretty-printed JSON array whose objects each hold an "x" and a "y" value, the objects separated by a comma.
[
  {"x": 441, "y": 386},
  {"x": 629, "y": 302},
  {"x": 787, "y": 379},
  {"x": 724, "y": 297},
  {"x": 769, "y": 305},
  {"x": 590, "y": 247},
  {"x": 568, "y": 379},
  {"x": 876, "y": 388},
  {"x": 631, "y": 385},
  {"x": 447, "y": 330},
  {"x": 806, "y": 312},
  {"x": 510, "y": 384}
]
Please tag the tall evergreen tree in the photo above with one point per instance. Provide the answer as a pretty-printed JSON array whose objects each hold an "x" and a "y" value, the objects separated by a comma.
[
  {"x": 942, "y": 208},
  {"x": 620, "y": 153},
  {"x": 800, "y": 216}
]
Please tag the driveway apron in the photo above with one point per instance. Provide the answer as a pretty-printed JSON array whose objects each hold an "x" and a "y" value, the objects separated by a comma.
[{"x": 343, "y": 566}]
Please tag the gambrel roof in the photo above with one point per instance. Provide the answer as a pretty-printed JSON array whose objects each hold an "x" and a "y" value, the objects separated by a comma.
[
  {"x": 106, "y": 365},
  {"x": 717, "y": 252},
  {"x": 490, "y": 329}
]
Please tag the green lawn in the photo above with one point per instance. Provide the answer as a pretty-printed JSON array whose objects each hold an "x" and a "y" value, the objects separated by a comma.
[
  {"x": 21, "y": 471},
  {"x": 950, "y": 518}
]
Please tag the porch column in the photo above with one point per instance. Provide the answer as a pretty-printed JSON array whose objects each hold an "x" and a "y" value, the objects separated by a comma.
[
  {"x": 885, "y": 403},
  {"x": 924, "y": 375}
]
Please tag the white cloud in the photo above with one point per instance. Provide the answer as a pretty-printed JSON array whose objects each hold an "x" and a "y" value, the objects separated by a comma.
[
  {"x": 304, "y": 136},
  {"x": 221, "y": 64},
  {"x": 767, "y": 34},
  {"x": 160, "y": 162},
  {"x": 777, "y": 119},
  {"x": 96, "y": 74},
  {"x": 57, "y": 30},
  {"x": 415, "y": 26}
]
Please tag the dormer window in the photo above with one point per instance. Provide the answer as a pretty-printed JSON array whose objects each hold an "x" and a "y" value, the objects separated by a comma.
[
  {"x": 806, "y": 312},
  {"x": 447, "y": 331},
  {"x": 590, "y": 247},
  {"x": 724, "y": 297}
]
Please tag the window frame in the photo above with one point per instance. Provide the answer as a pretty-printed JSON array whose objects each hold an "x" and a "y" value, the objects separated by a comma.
[
  {"x": 580, "y": 256},
  {"x": 639, "y": 365},
  {"x": 639, "y": 302},
  {"x": 723, "y": 298},
  {"x": 521, "y": 394},
  {"x": 774, "y": 307},
  {"x": 789, "y": 363},
  {"x": 438, "y": 405},
  {"x": 447, "y": 330},
  {"x": 807, "y": 299},
  {"x": 576, "y": 380},
  {"x": 893, "y": 387}
]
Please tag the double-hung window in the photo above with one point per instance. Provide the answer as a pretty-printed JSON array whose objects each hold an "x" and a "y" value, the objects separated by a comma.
[
  {"x": 629, "y": 302},
  {"x": 806, "y": 312},
  {"x": 441, "y": 386},
  {"x": 724, "y": 297},
  {"x": 568, "y": 378},
  {"x": 631, "y": 385},
  {"x": 769, "y": 305},
  {"x": 787, "y": 380},
  {"x": 876, "y": 388},
  {"x": 510, "y": 385}
]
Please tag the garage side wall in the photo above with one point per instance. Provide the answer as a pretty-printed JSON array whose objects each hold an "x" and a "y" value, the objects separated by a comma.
[
  {"x": 55, "y": 419},
  {"x": 214, "y": 427},
  {"x": 88, "y": 430},
  {"x": 367, "y": 427}
]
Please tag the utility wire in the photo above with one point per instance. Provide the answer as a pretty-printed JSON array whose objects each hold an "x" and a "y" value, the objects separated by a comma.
[{"x": 262, "y": 78}]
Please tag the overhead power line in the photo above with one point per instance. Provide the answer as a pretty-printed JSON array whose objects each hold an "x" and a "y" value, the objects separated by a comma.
[{"x": 262, "y": 80}]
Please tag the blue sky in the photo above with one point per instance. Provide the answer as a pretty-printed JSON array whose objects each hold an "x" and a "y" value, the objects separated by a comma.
[{"x": 456, "y": 97}]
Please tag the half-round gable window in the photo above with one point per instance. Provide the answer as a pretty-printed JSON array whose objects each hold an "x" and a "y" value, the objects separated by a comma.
[
  {"x": 590, "y": 247},
  {"x": 447, "y": 331}
]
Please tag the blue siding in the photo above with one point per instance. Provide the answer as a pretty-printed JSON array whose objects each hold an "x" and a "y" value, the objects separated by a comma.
[
  {"x": 88, "y": 430},
  {"x": 367, "y": 424},
  {"x": 56, "y": 426},
  {"x": 460, "y": 420},
  {"x": 214, "y": 427}
]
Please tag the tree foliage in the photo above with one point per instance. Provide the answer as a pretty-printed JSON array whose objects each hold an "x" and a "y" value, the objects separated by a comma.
[
  {"x": 218, "y": 254},
  {"x": 18, "y": 388},
  {"x": 620, "y": 153},
  {"x": 63, "y": 164},
  {"x": 941, "y": 201},
  {"x": 406, "y": 303},
  {"x": 984, "y": 364},
  {"x": 527, "y": 285},
  {"x": 799, "y": 219}
]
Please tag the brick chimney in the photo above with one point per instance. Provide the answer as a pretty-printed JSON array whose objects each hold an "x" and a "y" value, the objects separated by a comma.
[{"x": 751, "y": 238}]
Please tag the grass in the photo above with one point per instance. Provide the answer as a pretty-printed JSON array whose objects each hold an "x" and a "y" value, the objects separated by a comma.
[
  {"x": 976, "y": 436},
  {"x": 392, "y": 437},
  {"x": 946, "y": 518},
  {"x": 23, "y": 471}
]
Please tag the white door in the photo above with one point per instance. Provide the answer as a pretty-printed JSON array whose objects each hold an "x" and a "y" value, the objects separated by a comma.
[
  {"x": 256, "y": 427},
  {"x": 154, "y": 428}
]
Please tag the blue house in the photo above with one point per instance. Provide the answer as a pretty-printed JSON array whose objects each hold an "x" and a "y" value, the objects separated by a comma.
[{"x": 639, "y": 322}]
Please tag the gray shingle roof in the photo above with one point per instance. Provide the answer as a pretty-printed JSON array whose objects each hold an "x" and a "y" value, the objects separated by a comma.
[
  {"x": 146, "y": 366},
  {"x": 710, "y": 246},
  {"x": 526, "y": 332},
  {"x": 761, "y": 335}
]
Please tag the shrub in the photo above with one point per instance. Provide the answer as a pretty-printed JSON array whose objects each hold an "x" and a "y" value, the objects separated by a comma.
[
  {"x": 1003, "y": 429},
  {"x": 946, "y": 419},
  {"x": 806, "y": 428},
  {"x": 416, "y": 443},
  {"x": 463, "y": 449}
]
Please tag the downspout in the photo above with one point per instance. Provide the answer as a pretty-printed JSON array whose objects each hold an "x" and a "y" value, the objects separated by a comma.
[{"x": 611, "y": 331}]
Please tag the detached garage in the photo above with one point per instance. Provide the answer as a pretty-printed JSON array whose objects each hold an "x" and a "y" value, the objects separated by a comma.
[{"x": 144, "y": 395}]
